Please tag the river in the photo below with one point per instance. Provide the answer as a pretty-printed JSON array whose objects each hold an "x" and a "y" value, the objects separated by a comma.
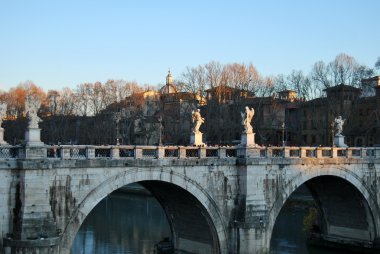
[
  {"x": 122, "y": 223},
  {"x": 131, "y": 223}
]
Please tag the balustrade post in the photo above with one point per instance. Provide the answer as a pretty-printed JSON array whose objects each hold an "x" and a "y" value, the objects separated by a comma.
[
  {"x": 138, "y": 153},
  {"x": 65, "y": 152},
  {"x": 303, "y": 152},
  {"x": 334, "y": 152},
  {"x": 319, "y": 152},
  {"x": 115, "y": 153},
  {"x": 202, "y": 152},
  {"x": 349, "y": 152},
  {"x": 269, "y": 152},
  {"x": 90, "y": 152},
  {"x": 363, "y": 152},
  {"x": 222, "y": 152},
  {"x": 182, "y": 152},
  {"x": 286, "y": 152},
  {"x": 160, "y": 152}
]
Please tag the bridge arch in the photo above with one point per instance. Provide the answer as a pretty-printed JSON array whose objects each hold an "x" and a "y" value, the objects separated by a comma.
[
  {"x": 152, "y": 179},
  {"x": 353, "y": 186}
]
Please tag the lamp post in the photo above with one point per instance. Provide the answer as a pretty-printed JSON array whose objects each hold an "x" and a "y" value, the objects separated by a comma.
[
  {"x": 332, "y": 133},
  {"x": 160, "y": 131},
  {"x": 283, "y": 133},
  {"x": 117, "y": 117}
]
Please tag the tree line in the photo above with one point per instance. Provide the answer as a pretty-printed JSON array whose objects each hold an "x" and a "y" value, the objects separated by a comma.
[
  {"x": 88, "y": 108},
  {"x": 344, "y": 69}
]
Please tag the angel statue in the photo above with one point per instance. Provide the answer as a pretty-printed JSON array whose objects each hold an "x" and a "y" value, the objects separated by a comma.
[
  {"x": 3, "y": 111},
  {"x": 32, "y": 104},
  {"x": 197, "y": 120},
  {"x": 247, "y": 118},
  {"x": 339, "y": 125}
]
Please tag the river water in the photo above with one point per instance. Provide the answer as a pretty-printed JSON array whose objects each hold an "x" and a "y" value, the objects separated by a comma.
[
  {"x": 132, "y": 223},
  {"x": 120, "y": 224}
]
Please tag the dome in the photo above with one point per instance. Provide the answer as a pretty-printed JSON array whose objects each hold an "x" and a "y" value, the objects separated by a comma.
[
  {"x": 166, "y": 89},
  {"x": 169, "y": 87}
]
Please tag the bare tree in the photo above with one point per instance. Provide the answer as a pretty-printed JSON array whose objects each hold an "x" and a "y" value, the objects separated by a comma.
[
  {"x": 241, "y": 76},
  {"x": 51, "y": 104},
  {"x": 267, "y": 87},
  {"x": 280, "y": 82},
  {"x": 320, "y": 75},
  {"x": 377, "y": 64},
  {"x": 83, "y": 94},
  {"x": 194, "y": 81},
  {"x": 215, "y": 77},
  {"x": 68, "y": 101},
  {"x": 344, "y": 69}
]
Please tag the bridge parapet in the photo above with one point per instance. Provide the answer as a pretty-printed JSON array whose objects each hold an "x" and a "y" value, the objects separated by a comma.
[{"x": 182, "y": 152}]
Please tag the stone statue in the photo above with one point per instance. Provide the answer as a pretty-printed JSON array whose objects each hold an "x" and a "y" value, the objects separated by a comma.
[
  {"x": 32, "y": 104},
  {"x": 3, "y": 111},
  {"x": 339, "y": 125},
  {"x": 197, "y": 120},
  {"x": 247, "y": 118}
]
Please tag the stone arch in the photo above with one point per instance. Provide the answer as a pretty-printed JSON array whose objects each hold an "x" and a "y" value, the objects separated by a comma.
[
  {"x": 135, "y": 175},
  {"x": 340, "y": 173}
]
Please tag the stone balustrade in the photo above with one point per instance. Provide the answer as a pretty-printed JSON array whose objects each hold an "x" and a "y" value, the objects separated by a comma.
[{"x": 185, "y": 152}]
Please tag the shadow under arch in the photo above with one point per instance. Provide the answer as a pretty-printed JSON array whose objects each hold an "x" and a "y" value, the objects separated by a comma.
[
  {"x": 152, "y": 179},
  {"x": 349, "y": 191}
]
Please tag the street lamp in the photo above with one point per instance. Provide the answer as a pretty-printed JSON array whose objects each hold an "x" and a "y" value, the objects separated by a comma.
[
  {"x": 117, "y": 118},
  {"x": 332, "y": 133},
  {"x": 283, "y": 133},
  {"x": 160, "y": 131}
]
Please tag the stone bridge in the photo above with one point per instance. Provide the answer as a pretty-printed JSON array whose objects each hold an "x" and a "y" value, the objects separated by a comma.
[{"x": 217, "y": 199}]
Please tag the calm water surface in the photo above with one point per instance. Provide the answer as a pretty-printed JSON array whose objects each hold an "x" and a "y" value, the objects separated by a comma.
[
  {"x": 122, "y": 223},
  {"x": 289, "y": 235},
  {"x": 129, "y": 223}
]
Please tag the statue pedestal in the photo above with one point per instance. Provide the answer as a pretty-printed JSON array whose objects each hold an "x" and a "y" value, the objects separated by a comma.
[
  {"x": 33, "y": 137},
  {"x": 339, "y": 141},
  {"x": 196, "y": 139},
  {"x": 2, "y": 142},
  {"x": 34, "y": 148},
  {"x": 248, "y": 139}
]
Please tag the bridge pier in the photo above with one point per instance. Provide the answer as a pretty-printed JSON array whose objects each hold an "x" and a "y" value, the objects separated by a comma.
[{"x": 33, "y": 226}]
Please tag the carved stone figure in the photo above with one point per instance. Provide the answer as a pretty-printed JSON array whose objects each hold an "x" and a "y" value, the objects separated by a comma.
[
  {"x": 3, "y": 111},
  {"x": 32, "y": 104},
  {"x": 339, "y": 125},
  {"x": 247, "y": 118},
  {"x": 197, "y": 120}
]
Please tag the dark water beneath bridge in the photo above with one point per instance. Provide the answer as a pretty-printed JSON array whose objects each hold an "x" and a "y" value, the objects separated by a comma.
[
  {"x": 122, "y": 223},
  {"x": 126, "y": 223}
]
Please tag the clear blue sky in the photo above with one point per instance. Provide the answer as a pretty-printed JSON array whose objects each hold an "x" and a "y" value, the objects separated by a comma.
[{"x": 63, "y": 43}]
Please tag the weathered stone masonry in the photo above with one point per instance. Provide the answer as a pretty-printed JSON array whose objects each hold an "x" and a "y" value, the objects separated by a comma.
[{"x": 220, "y": 200}]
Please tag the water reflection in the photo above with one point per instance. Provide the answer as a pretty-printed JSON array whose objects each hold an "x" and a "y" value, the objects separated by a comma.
[
  {"x": 289, "y": 234},
  {"x": 122, "y": 223},
  {"x": 132, "y": 223}
]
